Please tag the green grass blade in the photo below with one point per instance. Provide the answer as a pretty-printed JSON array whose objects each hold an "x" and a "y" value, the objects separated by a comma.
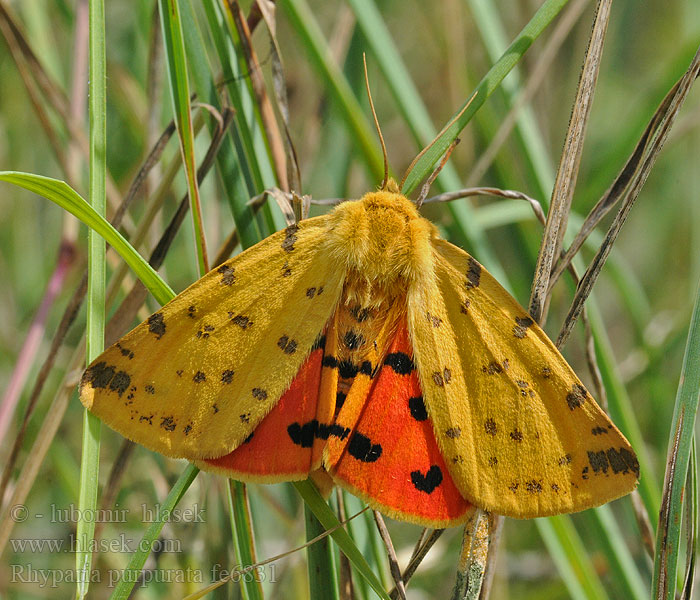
[
  {"x": 130, "y": 575},
  {"x": 668, "y": 533},
  {"x": 251, "y": 588},
  {"x": 487, "y": 19},
  {"x": 180, "y": 95},
  {"x": 90, "y": 456},
  {"x": 327, "y": 518},
  {"x": 569, "y": 555},
  {"x": 622, "y": 411},
  {"x": 323, "y": 582},
  {"x": 67, "y": 198},
  {"x": 541, "y": 19},
  {"x": 624, "y": 571}
]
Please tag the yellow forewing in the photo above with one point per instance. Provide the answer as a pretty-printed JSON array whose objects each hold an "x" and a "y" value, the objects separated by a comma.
[
  {"x": 195, "y": 379},
  {"x": 520, "y": 434}
]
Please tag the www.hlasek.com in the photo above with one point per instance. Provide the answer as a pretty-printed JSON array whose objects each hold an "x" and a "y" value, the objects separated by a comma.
[
  {"x": 53, "y": 578},
  {"x": 120, "y": 543}
]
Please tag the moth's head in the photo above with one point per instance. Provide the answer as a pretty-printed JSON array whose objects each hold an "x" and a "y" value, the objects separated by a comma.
[{"x": 382, "y": 237}]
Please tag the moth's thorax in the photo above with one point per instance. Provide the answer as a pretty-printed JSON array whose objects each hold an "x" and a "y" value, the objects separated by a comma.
[{"x": 381, "y": 241}]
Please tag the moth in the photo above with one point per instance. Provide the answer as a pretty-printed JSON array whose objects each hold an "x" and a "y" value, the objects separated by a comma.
[{"x": 362, "y": 343}]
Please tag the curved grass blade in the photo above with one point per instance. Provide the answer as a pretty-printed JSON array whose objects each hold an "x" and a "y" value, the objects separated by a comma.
[
  {"x": 67, "y": 198},
  {"x": 668, "y": 533},
  {"x": 327, "y": 518},
  {"x": 130, "y": 575}
]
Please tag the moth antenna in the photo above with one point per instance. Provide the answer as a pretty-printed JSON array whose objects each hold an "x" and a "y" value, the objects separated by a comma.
[
  {"x": 435, "y": 139},
  {"x": 426, "y": 186},
  {"x": 376, "y": 124}
]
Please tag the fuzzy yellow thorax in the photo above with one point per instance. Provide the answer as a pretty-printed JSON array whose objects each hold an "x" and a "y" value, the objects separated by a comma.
[{"x": 381, "y": 241}]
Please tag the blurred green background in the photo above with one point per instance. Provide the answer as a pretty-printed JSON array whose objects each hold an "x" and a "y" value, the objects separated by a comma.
[{"x": 644, "y": 296}]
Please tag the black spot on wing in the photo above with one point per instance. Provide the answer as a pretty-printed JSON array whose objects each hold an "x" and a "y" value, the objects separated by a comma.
[
  {"x": 454, "y": 432},
  {"x": 621, "y": 460},
  {"x": 241, "y": 320},
  {"x": 125, "y": 351},
  {"x": 227, "y": 376},
  {"x": 347, "y": 369},
  {"x": 533, "y": 487},
  {"x": 259, "y": 394},
  {"x": 204, "y": 332},
  {"x": 362, "y": 448},
  {"x": 156, "y": 325},
  {"x": 490, "y": 426},
  {"x": 428, "y": 482},
  {"x": 576, "y": 396},
  {"x": 417, "y": 408},
  {"x": 442, "y": 379},
  {"x": 330, "y": 361},
  {"x": 168, "y": 423},
  {"x": 598, "y": 461},
  {"x": 99, "y": 375},
  {"x": 366, "y": 368},
  {"x": 473, "y": 273},
  {"x": 340, "y": 400},
  {"x": 103, "y": 376},
  {"x": 492, "y": 368},
  {"x": 521, "y": 326},
  {"x": 290, "y": 236},
  {"x": 325, "y": 431},
  {"x": 120, "y": 382},
  {"x": 286, "y": 345},
  {"x": 199, "y": 376},
  {"x": 433, "y": 320},
  {"x": 303, "y": 435},
  {"x": 319, "y": 342},
  {"x": 400, "y": 362},
  {"x": 227, "y": 276}
]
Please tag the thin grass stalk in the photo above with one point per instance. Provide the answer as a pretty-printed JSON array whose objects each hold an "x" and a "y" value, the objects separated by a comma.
[
  {"x": 94, "y": 334},
  {"x": 567, "y": 173}
]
